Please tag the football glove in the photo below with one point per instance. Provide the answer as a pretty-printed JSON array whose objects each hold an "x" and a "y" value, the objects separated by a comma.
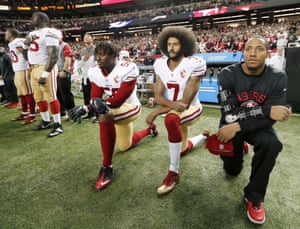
[
  {"x": 76, "y": 112},
  {"x": 100, "y": 106}
]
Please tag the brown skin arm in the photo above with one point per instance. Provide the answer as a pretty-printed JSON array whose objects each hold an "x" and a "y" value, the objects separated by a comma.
[
  {"x": 25, "y": 51},
  {"x": 53, "y": 56},
  {"x": 167, "y": 105},
  {"x": 227, "y": 132},
  {"x": 67, "y": 64},
  {"x": 280, "y": 113},
  {"x": 191, "y": 89},
  {"x": 159, "y": 90},
  {"x": 152, "y": 116}
]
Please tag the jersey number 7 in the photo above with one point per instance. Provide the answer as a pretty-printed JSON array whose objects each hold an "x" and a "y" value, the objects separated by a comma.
[{"x": 174, "y": 86}]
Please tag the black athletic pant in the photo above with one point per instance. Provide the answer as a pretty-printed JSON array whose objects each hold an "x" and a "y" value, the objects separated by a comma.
[
  {"x": 266, "y": 149},
  {"x": 86, "y": 89},
  {"x": 3, "y": 93},
  {"x": 11, "y": 91},
  {"x": 64, "y": 93}
]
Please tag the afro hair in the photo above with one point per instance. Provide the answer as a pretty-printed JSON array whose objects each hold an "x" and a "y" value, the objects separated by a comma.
[{"x": 185, "y": 36}]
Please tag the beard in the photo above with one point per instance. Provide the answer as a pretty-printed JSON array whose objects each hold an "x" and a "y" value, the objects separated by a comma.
[{"x": 175, "y": 57}]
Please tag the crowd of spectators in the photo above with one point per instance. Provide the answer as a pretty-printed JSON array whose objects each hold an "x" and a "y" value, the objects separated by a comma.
[
  {"x": 185, "y": 7},
  {"x": 223, "y": 39},
  {"x": 216, "y": 39}
]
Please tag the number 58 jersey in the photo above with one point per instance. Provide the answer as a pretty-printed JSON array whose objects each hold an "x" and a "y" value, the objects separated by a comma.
[
  {"x": 175, "y": 81},
  {"x": 110, "y": 83}
]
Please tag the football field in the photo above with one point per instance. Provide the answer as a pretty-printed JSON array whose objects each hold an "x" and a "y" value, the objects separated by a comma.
[{"x": 48, "y": 182}]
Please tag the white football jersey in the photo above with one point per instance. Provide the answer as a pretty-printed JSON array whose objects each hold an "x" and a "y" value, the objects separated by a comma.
[
  {"x": 19, "y": 63},
  {"x": 37, "y": 52},
  {"x": 175, "y": 81},
  {"x": 122, "y": 72}
]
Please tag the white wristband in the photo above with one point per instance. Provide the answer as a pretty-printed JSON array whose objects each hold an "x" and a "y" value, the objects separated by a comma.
[{"x": 45, "y": 74}]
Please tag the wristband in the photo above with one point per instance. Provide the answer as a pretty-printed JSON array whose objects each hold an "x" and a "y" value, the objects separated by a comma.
[{"x": 45, "y": 74}]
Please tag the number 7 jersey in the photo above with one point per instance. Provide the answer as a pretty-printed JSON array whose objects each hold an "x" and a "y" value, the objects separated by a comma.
[{"x": 175, "y": 81}]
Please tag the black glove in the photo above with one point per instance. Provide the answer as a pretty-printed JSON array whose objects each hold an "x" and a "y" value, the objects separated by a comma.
[
  {"x": 42, "y": 81},
  {"x": 76, "y": 112},
  {"x": 100, "y": 106}
]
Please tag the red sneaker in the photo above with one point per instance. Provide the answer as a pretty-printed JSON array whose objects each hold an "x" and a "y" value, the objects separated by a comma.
[
  {"x": 20, "y": 117},
  {"x": 12, "y": 105},
  {"x": 246, "y": 147},
  {"x": 168, "y": 183},
  {"x": 105, "y": 177},
  {"x": 29, "y": 119},
  {"x": 255, "y": 212}
]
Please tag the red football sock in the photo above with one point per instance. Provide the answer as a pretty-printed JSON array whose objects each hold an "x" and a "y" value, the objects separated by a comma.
[
  {"x": 107, "y": 141},
  {"x": 31, "y": 103},
  {"x": 23, "y": 103},
  {"x": 188, "y": 149},
  {"x": 172, "y": 123},
  {"x": 55, "y": 107},
  {"x": 43, "y": 105},
  {"x": 139, "y": 135}
]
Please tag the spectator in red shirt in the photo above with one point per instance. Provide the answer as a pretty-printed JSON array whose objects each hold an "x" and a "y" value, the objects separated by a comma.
[{"x": 64, "y": 92}]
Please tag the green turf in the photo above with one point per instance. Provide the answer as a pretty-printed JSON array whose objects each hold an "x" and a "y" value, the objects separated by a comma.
[{"x": 48, "y": 183}]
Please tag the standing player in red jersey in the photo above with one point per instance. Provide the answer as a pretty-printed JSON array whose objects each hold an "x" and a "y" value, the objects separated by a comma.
[
  {"x": 113, "y": 97},
  {"x": 178, "y": 73},
  {"x": 42, "y": 45},
  {"x": 20, "y": 67}
]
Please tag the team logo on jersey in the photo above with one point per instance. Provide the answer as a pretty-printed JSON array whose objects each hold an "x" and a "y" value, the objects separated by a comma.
[
  {"x": 116, "y": 79},
  {"x": 182, "y": 73},
  {"x": 249, "y": 104}
]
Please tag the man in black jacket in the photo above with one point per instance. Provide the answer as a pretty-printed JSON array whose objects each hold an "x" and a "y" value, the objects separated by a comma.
[
  {"x": 7, "y": 74},
  {"x": 252, "y": 97}
]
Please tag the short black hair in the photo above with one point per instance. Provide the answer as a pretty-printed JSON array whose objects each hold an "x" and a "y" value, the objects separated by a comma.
[
  {"x": 42, "y": 17},
  {"x": 13, "y": 32},
  {"x": 185, "y": 36},
  {"x": 266, "y": 43},
  {"x": 107, "y": 48}
]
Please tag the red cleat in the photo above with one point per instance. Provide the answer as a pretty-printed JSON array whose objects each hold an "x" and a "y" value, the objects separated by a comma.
[
  {"x": 255, "y": 212},
  {"x": 105, "y": 177},
  {"x": 20, "y": 117},
  {"x": 29, "y": 119},
  {"x": 168, "y": 183},
  {"x": 246, "y": 147},
  {"x": 12, "y": 105}
]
